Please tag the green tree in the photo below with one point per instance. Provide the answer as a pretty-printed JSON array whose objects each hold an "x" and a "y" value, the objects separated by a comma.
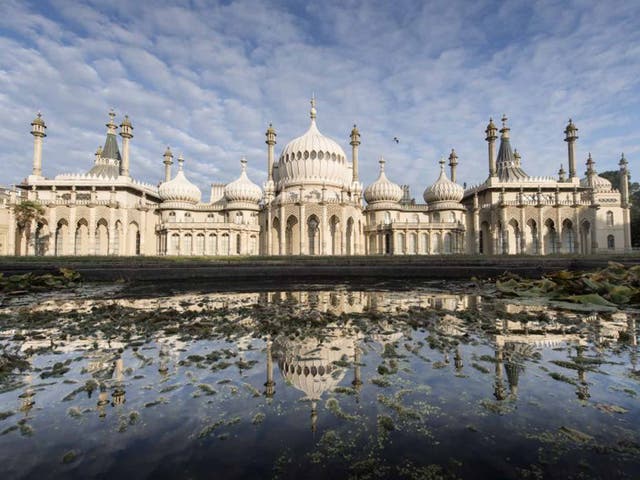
[
  {"x": 634, "y": 198},
  {"x": 27, "y": 212}
]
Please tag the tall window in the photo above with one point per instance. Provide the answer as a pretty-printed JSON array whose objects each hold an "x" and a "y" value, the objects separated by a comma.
[
  {"x": 611, "y": 242},
  {"x": 609, "y": 219}
]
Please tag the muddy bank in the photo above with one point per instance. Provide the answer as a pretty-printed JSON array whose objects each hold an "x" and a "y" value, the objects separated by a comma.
[{"x": 287, "y": 269}]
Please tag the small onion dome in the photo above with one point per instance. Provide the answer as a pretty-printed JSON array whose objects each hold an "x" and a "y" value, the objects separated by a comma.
[
  {"x": 592, "y": 179},
  {"x": 443, "y": 190},
  {"x": 243, "y": 189},
  {"x": 383, "y": 190},
  {"x": 38, "y": 120},
  {"x": 179, "y": 189},
  {"x": 597, "y": 182},
  {"x": 126, "y": 122}
]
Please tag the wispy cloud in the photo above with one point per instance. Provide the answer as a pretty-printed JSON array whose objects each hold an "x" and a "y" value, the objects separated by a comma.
[{"x": 207, "y": 78}]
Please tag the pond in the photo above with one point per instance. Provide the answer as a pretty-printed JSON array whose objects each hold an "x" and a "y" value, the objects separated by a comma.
[{"x": 427, "y": 380}]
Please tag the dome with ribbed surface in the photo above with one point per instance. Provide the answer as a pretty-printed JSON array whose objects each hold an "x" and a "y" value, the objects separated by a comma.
[
  {"x": 443, "y": 190},
  {"x": 313, "y": 159},
  {"x": 383, "y": 189},
  {"x": 243, "y": 189},
  {"x": 179, "y": 189},
  {"x": 593, "y": 180}
]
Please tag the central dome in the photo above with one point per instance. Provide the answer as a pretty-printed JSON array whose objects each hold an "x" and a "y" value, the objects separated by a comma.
[{"x": 313, "y": 159}]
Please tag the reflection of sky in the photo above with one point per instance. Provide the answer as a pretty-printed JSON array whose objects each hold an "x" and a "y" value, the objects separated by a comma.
[{"x": 456, "y": 402}]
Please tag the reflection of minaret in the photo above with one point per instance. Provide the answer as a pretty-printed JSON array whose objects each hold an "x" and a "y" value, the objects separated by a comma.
[
  {"x": 457, "y": 360},
  {"x": 582, "y": 391},
  {"x": 119, "y": 392},
  {"x": 26, "y": 398},
  {"x": 357, "y": 380},
  {"x": 270, "y": 384},
  {"x": 633, "y": 341},
  {"x": 103, "y": 401},
  {"x": 513, "y": 374},
  {"x": 498, "y": 390}
]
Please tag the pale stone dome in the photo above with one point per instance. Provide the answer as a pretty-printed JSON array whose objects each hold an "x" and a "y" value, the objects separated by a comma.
[
  {"x": 598, "y": 183},
  {"x": 313, "y": 159},
  {"x": 443, "y": 190},
  {"x": 383, "y": 189},
  {"x": 243, "y": 189},
  {"x": 594, "y": 180},
  {"x": 179, "y": 189}
]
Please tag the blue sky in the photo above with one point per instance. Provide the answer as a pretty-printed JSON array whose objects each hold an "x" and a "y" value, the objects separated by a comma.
[{"x": 207, "y": 77}]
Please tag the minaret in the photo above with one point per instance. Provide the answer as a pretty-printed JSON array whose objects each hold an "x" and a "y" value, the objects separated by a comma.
[
  {"x": 590, "y": 170},
  {"x": 269, "y": 384},
  {"x": 624, "y": 181},
  {"x": 491, "y": 138},
  {"x": 453, "y": 163},
  {"x": 38, "y": 129},
  {"x": 168, "y": 161},
  {"x": 126, "y": 130},
  {"x": 624, "y": 200},
  {"x": 571, "y": 137},
  {"x": 355, "y": 142},
  {"x": 98, "y": 154},
  {"x": 271, "y": 141},
  {"x": 562, "y": 174}
]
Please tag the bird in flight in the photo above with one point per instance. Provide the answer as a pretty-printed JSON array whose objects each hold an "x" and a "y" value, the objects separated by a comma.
[{"x": 396, "y": 139}]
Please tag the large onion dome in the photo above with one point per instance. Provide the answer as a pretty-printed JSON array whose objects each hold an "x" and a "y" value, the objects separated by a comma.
[
  {"x": 443, "y": 190},
  {"x": 383, "y": 189},
  {"x": 179, "y": 189},
  {"x": 313, "y": 159},
  {"x": 243, "y": 189}
]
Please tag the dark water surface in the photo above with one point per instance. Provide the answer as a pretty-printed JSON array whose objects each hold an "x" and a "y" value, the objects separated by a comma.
[{"x": 383, "y": 382}]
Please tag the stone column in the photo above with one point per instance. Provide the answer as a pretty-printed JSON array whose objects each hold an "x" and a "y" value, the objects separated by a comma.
[
  {"x": 112, "y": 230},
  {"x": 268, "y": 237},
  {"x": 92, "y": 230},
  {"x": 51, "y": 249},
  {"x": 283, "y": 227},
  {"x": 72, "y": 231},
  {"x": 523, "y": 227},
  {"x": 303, "y": 224},
  {"x": 540, "y": 231},
  {"x": 323, "y": 230}
]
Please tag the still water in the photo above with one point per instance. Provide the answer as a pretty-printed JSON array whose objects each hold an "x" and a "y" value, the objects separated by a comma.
[{"x": 385, "y": 382}]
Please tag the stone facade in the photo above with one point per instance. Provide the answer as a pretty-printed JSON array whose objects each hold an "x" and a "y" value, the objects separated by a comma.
[{"x": 312, "y": 204}]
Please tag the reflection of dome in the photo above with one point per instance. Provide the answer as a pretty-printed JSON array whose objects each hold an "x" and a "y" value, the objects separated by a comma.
[
  {"x": 313, "y": 159},
  {"x": 383, "y": 190},
  {"x": 243, "y": 189},
  {"x": 443, "y": 190},
  {"x": 179, "y": 189},
  {"x": 309, "y": 365}
]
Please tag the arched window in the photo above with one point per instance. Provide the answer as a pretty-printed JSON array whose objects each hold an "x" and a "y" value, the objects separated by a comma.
[
  {"x": 611, "y": 242},
  {"x": 609, "y": 219},
  {"x": 238, "y": 244}
]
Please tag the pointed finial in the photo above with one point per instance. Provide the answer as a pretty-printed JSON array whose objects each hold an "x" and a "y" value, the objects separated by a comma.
[
  {"x": 381, "y": 162},
  {"x": 504, "y": 120},
  {"x": 313, "y": 106},
  {"x": 112, "y": 115},
  {"x": 441, "y": 162},
  {"x": 243, "y": 163},
  {"x": 180, "y": 162}
]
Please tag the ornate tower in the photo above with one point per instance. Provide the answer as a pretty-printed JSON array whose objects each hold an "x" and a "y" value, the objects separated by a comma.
[
  {"x": 168, "y": 161},
  {"x": 624, "y": 197},
  {"x": 570, "y": 136},
  {"x": 355, "y": 142},
  {"x": 453, "y": 163},
  {"x": 271, "y": 142},
  {"x": 491, "y": 138},
  {"x": 126, "y": 130},
  {"x": 38, "y": 129}
]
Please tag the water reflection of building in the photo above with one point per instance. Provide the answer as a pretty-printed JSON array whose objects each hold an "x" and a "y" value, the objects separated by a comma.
[
  {"x": 346, "y": 301},
  {"x": 315, "y": 366}
]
